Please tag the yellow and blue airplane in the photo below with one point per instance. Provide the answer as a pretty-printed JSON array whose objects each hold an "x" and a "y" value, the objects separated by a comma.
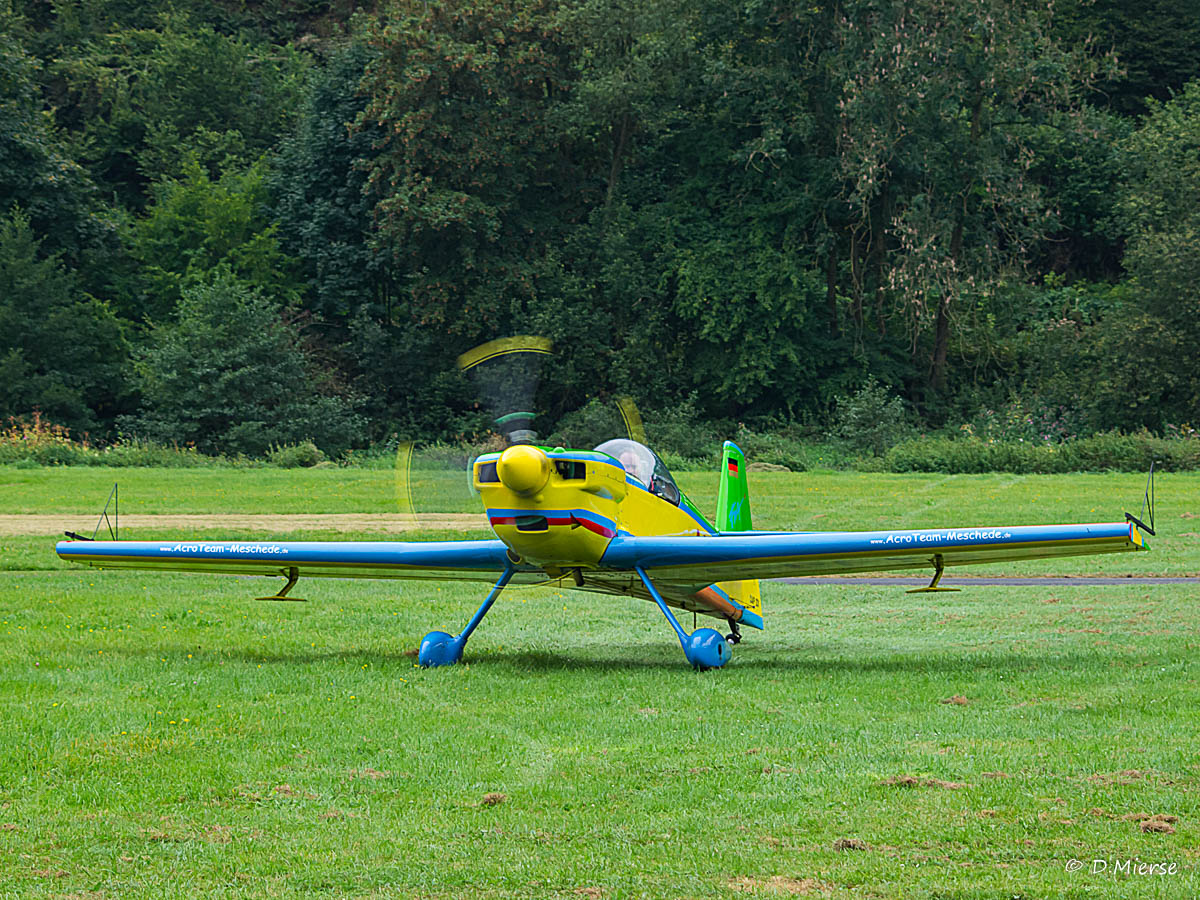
[{"x": 612, "y": 520}]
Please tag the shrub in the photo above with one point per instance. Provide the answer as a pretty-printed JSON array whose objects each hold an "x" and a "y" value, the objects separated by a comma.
[
  {"x": 1031, "y": 421},
  {"x": 682, "y": 430},
  {"x": 871, "y": 420},
  {"x": 231, "y": 374},
  {"x": 303, "y": 455},
  {"x": 1108, "y": 451}
]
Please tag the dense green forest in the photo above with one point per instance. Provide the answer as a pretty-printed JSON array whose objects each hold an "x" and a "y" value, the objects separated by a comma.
[{"x": 238, "y": 225}]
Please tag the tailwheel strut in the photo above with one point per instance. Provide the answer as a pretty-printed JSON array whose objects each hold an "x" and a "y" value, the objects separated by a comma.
[{"x": 735, "y": 632}]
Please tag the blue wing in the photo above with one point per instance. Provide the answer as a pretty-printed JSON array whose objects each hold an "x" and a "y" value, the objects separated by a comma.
[
  {"x": 685, "y": 569},
  {"x": 443, "y": 560},
  {"x": 694, "y": 562}
]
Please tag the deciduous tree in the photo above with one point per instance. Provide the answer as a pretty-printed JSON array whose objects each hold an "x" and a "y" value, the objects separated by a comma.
[
  {"x": 231, "y": 375},
  {"x": 62, "y": 351}
]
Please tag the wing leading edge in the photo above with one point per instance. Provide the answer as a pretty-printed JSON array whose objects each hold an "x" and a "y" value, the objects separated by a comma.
[
  {"x": 438, "y": 560},
  {"x": 699, "y": 561}
]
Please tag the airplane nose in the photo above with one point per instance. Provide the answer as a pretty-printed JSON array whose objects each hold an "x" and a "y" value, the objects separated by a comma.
[{"x": 523, "y": 469}]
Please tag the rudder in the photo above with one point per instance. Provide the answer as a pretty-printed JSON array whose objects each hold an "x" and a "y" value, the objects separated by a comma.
[{"x": 733, "y": 514}]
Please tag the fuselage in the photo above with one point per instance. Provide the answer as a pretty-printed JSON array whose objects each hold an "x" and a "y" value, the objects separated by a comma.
[{"x": 560, "y": 508}]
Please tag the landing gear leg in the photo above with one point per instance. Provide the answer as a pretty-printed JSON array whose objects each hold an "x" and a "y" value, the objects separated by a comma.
[
  {"x": 735, "y": 633},
  {"x": 704, "y": 647},
  {"x": 441, "y": 649}
]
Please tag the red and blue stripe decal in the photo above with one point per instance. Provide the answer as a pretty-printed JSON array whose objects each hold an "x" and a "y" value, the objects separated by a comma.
[{"x": 597, "y": 524}]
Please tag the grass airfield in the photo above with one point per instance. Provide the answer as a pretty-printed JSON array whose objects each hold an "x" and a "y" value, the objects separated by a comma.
[{"x": 164, "y": 735}]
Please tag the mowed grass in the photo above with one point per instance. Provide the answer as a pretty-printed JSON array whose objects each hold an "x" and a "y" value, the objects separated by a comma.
[
  {"x": 801, "y": 501},
  {"x": 780, "y": 500},
  {"x": 165, "y": 735}
]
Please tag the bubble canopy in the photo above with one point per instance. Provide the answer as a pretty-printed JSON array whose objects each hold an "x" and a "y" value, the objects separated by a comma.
[{"x": 643, "y": 464}]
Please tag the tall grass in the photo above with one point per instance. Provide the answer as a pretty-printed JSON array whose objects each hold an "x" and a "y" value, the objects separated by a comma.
[{"x": 34, "y": 441}]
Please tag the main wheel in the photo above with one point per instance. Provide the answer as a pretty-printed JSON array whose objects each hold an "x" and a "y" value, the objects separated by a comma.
[
  {"x": 439, "y": 649},
  {"x": 707, "y": 649}
]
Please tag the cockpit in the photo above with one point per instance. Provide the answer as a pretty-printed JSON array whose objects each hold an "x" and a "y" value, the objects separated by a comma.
[{"x": 643, "y": 464}]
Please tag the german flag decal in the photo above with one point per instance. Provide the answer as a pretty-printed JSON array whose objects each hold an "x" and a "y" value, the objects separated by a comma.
[{"x": 733, "y": 467}]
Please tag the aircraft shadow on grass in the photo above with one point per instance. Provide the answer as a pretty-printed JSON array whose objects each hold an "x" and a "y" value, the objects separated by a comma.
[{"x": 799, "y": 658}]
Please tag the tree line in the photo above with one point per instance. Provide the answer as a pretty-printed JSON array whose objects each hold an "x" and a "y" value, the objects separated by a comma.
[{"x": 236, "y": 226}]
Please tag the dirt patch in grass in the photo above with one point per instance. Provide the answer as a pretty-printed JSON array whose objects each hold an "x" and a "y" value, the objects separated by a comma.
[
  {"x": 368, "y": 772},
  {"x": 493, "y": 798},
  {"x": 1157, "y": 826},
  {"x": 164, "y": 837},
  {"x": 956, "y": 700},
  {"x": 595, "y": 893},
  {"x": 1128, "y": 776},
  {"x": 995, "y": 774},
  {"x": 851, "y": 844},
  {"x": 910, "y": 781},
  {"x": 1159, "y": 823},
  {"x": 778, "y": 884},
  {"x": 286, "y": 790},
  {"x": 8, "y": 826}
]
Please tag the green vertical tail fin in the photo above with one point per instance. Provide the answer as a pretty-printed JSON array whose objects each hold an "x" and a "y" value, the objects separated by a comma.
[
  {"x": 733, "y": 514},
  {"x": 733, "y": 499}
]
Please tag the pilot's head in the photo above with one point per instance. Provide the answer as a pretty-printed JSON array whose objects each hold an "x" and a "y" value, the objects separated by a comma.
[{"x": 632, "y": 464}]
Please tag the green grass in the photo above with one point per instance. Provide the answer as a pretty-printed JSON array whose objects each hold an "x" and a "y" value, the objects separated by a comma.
[
  {"x": 803, "y": 501},
  {"x": 164, "y": 735}
]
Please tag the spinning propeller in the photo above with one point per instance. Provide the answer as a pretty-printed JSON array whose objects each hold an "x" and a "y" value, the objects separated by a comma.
[
  {"x": 433, "y": 481},
  {"x": 434, "y": 490}
]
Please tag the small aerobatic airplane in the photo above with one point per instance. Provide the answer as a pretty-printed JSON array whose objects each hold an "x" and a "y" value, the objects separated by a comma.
[{"x": 612, "y": 520}]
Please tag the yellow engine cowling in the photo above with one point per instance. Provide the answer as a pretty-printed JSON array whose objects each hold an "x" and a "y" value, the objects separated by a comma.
[{"x": 552, "y": 507}]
